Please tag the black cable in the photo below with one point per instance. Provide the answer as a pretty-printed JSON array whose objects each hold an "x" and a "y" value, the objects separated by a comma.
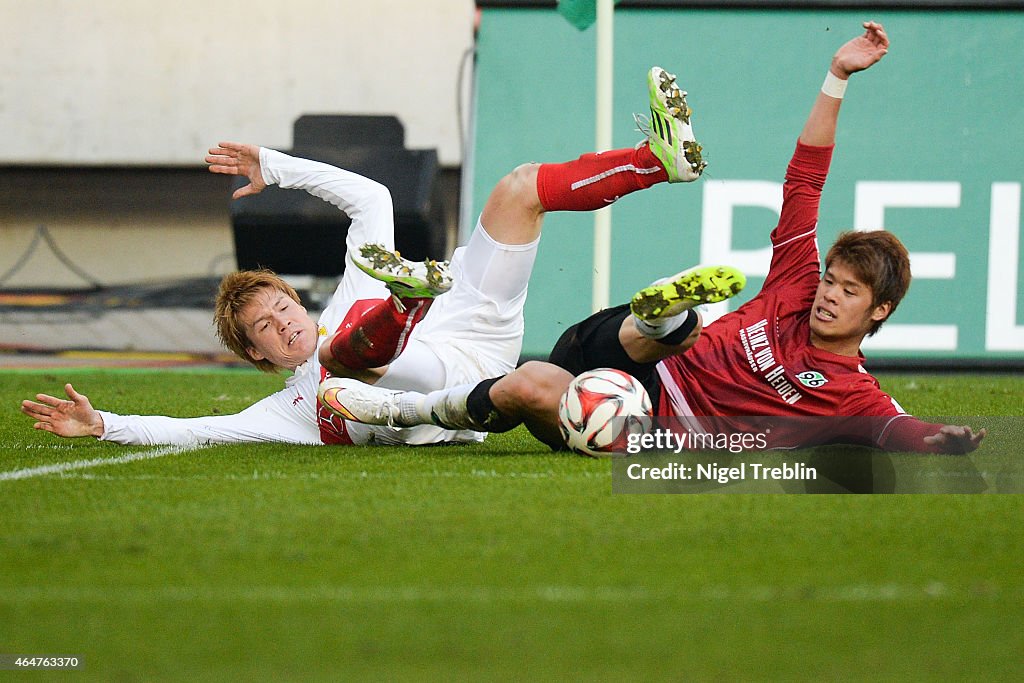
[
  {"x": 96, "y": 284},
  {"x": 25, "y": 256},
  {"x": 42, "y": 233}
]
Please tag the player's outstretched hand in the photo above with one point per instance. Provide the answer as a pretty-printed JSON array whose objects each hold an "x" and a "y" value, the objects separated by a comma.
[
  {"x": 956, "y": 439},
  {"x": 861, "y": 52},
  {"x": 70, "y": 417},
  {"x": 234, "y": 158}
]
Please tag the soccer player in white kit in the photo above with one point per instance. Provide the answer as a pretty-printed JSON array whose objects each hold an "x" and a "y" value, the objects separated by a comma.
[
  {"x": 470, "y": 333},
  {"x": 488, "y": 294}
]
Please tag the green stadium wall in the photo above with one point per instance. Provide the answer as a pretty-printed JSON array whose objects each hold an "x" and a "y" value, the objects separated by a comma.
[{"x": 930, "y": 146}]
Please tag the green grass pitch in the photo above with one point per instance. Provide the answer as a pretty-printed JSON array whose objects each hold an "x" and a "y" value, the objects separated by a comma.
[{"x": 501, "y": 561}]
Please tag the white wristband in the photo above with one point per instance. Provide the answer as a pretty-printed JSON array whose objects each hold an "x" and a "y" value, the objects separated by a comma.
[{"x": 834, "y": 86}]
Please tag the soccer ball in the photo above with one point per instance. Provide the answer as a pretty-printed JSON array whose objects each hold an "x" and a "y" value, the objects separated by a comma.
[{"x": 600, "y": 409}]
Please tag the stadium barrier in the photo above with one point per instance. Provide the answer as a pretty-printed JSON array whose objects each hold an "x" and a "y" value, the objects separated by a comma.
[{"x": 923, "y": 150}]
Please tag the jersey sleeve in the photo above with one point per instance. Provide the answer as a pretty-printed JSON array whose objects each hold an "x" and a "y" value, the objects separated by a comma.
[
  {"x": 907, "y": 433},
  {"x": 794, "y": 240},
  {"x": 882, "y": 423},
  {"x": 268, "y": 420},
  {"x": 365, "y": 201}
]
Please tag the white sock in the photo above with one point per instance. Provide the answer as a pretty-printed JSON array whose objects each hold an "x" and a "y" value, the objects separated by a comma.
[
  {"x": 661, "y": 327},
  {"x": 444, "y": 407},
  {"x": 407, "y": 414}
]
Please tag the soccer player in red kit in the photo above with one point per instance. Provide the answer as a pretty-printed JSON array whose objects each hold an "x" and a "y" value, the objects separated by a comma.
[{"x": 793, "y": 351}]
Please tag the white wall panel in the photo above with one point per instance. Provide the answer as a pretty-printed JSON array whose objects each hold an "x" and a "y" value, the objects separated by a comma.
[{"x": 129, "y": 81}]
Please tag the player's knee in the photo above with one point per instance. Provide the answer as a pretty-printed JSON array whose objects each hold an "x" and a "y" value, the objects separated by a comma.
[
  {"x": 512, "y": 214},
  {"x": 518, "y": 187},
  {"x": 523, "y": 178},
  {"x": 534, "y": 387}
]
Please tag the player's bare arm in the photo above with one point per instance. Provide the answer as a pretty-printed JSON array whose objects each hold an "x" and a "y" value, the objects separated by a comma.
[
  {"x": 855, "y": 55},
  {"x": 234, "y": 158},
  {"x": 70, "y": 417}
]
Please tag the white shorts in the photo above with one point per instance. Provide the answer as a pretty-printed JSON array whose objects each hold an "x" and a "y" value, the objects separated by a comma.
[{"x": 474, "y": 331}]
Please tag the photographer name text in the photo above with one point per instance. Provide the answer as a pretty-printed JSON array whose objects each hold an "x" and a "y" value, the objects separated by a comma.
[{"x": 721, "y": 474}]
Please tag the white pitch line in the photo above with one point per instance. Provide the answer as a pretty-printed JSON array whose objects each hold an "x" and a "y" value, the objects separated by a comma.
[
  {"x": 343, "y": 476},
  {"x": 933, "y": 591},
  {"x": 322, "y": 593},
  {"x": 58, "y": 468}
]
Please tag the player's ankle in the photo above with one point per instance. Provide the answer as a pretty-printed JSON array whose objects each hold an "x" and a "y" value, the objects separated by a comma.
[{"x": 671, "y": 331}]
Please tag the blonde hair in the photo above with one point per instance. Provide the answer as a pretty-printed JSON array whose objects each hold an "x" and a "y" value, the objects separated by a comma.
[{"x": 237, "y": 290}]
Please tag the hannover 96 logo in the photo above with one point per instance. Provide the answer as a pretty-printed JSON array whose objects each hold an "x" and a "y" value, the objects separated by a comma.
[{"x": 810, "y": 378}]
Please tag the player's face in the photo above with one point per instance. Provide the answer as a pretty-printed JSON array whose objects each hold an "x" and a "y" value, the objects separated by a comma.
[
  {"x": 279, "y": 329},
  {"x": 843, "y": 312}
]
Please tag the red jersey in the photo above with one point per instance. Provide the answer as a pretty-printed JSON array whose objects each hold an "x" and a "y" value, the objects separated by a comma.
[{"x": 759, "y": 360}]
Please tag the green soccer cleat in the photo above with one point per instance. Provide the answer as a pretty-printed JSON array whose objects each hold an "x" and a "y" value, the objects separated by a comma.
[
  {"x": 701, "y": 285},
  {"x": 668, "y": 131},
  {"x": 405, "y": 279}
]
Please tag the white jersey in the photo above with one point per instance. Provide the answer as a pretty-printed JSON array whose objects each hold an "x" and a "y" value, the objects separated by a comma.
[{"x": 471, "y": 333}]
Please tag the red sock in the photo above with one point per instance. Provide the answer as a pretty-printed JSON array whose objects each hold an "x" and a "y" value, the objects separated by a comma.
[
  {"x": 596, "y": 180},
  {"x": 375, "y": 331}
]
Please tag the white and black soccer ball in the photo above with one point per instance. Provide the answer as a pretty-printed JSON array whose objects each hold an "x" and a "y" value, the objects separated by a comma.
[{"x": 600, "y": 409}]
